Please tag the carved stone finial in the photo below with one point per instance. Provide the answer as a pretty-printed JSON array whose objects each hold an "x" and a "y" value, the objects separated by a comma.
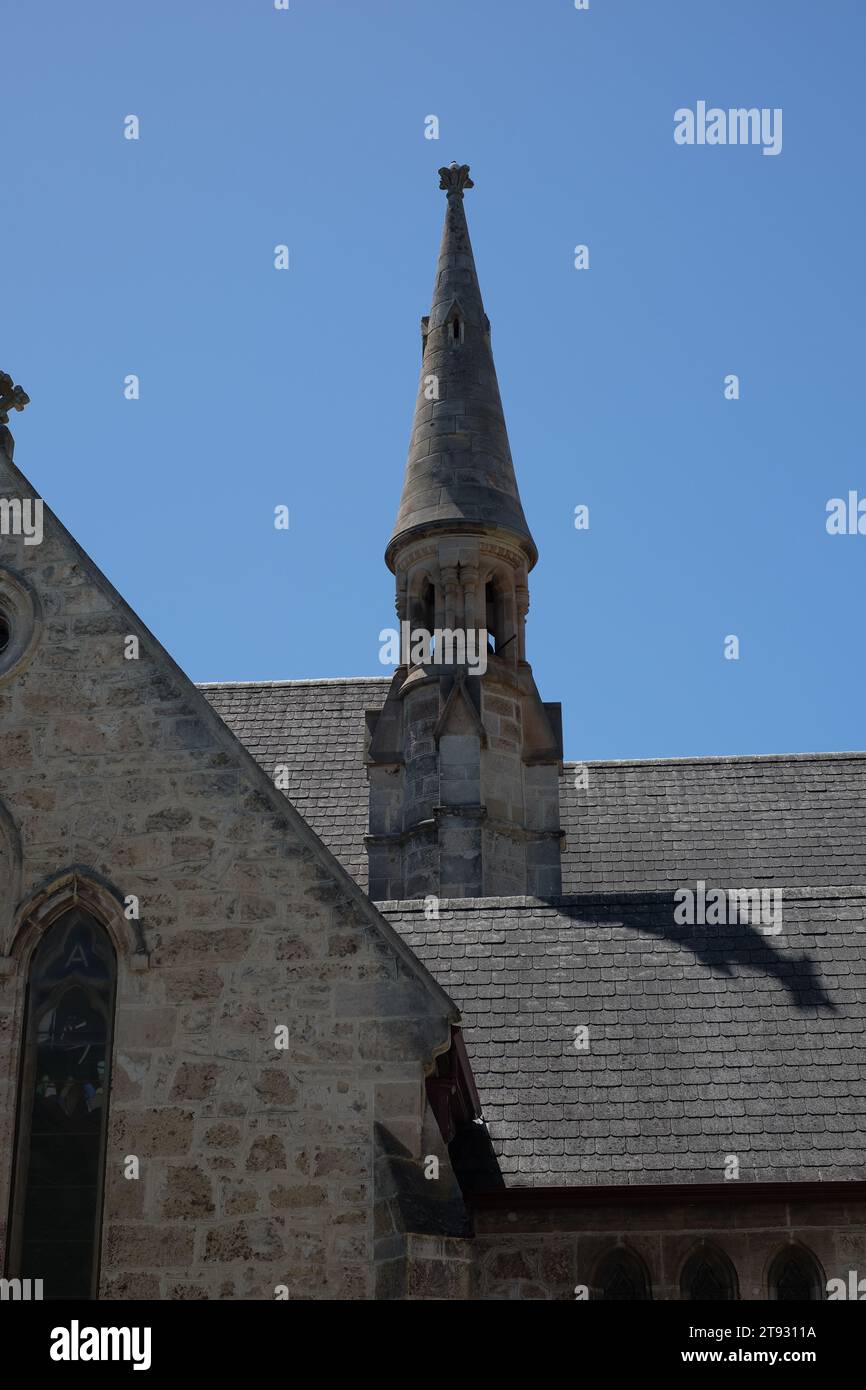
[
  {"x": 11, "y": 397},
  {"x": 454, "y": 178}
]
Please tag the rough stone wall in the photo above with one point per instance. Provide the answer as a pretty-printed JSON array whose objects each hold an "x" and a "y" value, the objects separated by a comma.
[
  {"x": 548, "y": 1253},
  {"x": 256, "y": 1164},
  {"x": 422, "y": 1227},
  {"x": 502, "y": 785},
  {"x": 455, "y": 811}
]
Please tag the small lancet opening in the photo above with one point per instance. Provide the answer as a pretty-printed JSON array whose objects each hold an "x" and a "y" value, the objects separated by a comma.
[
  {"x": 422, "y": 625},
  {"x": 455, "y": 330},
  {"x": 428, "y": 605},
  {"x": 491, "y": 616}
]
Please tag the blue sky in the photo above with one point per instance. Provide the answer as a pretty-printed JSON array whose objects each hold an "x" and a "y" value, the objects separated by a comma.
[{"x": 260, "y": 387}]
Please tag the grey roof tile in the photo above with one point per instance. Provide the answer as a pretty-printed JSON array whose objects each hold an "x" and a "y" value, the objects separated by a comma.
[
  {"x": 794, "y": 821},
  {"x": 703, "y": 1042},
  {"x": 743, "y": 1060}
]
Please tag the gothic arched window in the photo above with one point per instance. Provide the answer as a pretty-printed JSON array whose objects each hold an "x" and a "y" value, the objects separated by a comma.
[
  {"x": 62, "y": 1106},
  {"x": 493, "y": 609},
  {"x": 708, "y": 1276},
  {"x": 428, "y": 610},
  {"x": 621, "y": 1275},
  {"x": 794, "y": 1277}
]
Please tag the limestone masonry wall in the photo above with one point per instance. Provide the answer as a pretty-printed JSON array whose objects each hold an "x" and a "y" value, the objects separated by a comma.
[
  {"x": 549, "y": 1252},
  {"x": 255, "y": 1163}
]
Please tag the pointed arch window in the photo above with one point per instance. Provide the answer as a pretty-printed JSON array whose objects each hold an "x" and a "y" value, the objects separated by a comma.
[
  {"x": 499, "y": 615},
  {"x": 492, "y": 614},
  {"x": 454, "y": 325},
  {"x": 62, "y": 1108},
  {"x": 794, "y": 1277},
  {"x": 621, "y": 1276},
  {"x": 428, "y": 608},
  {"x": 708, "y": 1276}
]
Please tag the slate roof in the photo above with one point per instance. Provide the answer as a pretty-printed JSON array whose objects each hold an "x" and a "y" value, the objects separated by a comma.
[
  {"x": 316, "y": 730},
  {"x": 796, "y": 821},
  {"x": 704, "y": 1042}
]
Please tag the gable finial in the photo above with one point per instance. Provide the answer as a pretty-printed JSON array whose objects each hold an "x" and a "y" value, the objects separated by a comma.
[
  {"x": 11, "y": 397},
  {"x": 454, "y": 178}
]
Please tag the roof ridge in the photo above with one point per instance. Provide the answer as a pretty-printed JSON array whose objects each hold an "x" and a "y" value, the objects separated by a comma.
[
  {"x": 698, "y": 760},
  {"x": 312, "y": 680}
]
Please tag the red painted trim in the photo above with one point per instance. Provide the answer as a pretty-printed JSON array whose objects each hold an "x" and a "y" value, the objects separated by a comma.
[
  {"x": 451, "y": 1091},
  {"x": 463, "y": 1073},
  {"x": 656, "y": 1194}
]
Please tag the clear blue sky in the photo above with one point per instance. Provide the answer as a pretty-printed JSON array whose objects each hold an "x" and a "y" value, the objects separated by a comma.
[{"x": 259, "y": 387}]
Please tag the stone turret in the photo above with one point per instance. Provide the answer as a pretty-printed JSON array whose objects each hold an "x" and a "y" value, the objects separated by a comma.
[{"x": 464, "y": 758}]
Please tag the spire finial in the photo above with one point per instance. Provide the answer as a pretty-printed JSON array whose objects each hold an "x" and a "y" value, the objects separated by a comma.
[
  {"x": 459, "y": 474},
  {"x": 454, "y": 178},
  {"x": 11, "y": 397}
]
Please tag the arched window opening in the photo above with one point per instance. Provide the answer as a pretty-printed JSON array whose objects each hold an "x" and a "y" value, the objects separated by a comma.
[
  {"x": 621, "y": 1277},
  {"x": 428, "y": 606},
  {"x": 491, "y": 618},
  {"x": 708, "y": 1276},
  {"x": 794, "y": 1277},
  {"x": 62, "y": 1108},
  {"x": 422, "y": 620},
  {"x": 456, "y": 332}
]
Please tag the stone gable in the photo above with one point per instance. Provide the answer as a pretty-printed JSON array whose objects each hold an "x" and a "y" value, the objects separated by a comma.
[{"x": 118, "y": 779}]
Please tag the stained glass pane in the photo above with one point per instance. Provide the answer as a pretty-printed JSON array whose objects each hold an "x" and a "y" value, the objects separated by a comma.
[
  {"x": 794, "y": 1279},
  {"x": 707, "y": 1278},
  {"x": 62, "y": 1118},
  {"x": 621, "y": 1277}
]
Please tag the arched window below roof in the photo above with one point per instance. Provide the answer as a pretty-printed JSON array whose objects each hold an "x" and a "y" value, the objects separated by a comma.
[
  {"x": 62, "y": 1107},
  {"x": 795, "y": 1277},
  {"x": 708, "y": 1276},
  {"x": 621, "y": 1276}
]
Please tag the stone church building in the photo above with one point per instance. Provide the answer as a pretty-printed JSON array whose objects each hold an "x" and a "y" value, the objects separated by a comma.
[{"x": 355, "y": 989}]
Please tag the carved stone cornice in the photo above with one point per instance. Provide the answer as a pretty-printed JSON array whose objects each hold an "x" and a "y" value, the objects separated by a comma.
[
  {"x": 480, "y": 544},
  {"x": 474, "y": 812}
]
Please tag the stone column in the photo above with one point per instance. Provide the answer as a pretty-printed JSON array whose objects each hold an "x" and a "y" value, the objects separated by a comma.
[
  {"x": 449, "y": 581},
  {"x": 522, "y": 597},
  {"x": 401, "y": 605},
  {"x": 469, "y": 576},
  {"x": 510, "y": 619}
]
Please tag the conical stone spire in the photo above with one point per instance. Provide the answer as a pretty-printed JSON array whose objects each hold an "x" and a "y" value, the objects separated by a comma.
[
  {"x": 459, "y": 473},
  {"x": 464, "y": 758}
]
